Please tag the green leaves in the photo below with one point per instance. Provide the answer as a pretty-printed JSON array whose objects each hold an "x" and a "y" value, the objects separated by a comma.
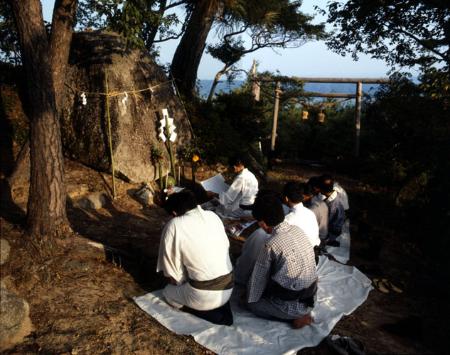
[
  {"x": 402, "y": 32},
  {"x": 139, "y": 21}
]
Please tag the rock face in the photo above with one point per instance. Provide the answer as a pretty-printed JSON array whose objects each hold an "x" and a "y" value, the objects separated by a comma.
[
  {"x": 97, "y": 58},
  {"x": 15, "y": 322},
  {"x": 93, "y": 201},
  {"x": 4, "y": 251}
]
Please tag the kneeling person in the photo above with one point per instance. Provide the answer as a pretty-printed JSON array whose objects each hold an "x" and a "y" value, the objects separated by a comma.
[
  {"x": 237, "y": 201},
  {"x": 283, "y": 283},
  {"x": 194, "y": 256}
]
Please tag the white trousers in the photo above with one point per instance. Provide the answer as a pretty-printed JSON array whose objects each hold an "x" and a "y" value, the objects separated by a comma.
[{"x": 201, "y": 300}]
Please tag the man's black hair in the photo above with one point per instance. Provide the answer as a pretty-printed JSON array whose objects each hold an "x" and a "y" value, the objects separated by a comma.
[
  {"x": 181, "y": 202},
  {"x": 268, "y": 208},
  {"x": 326, "y": 184},
  {"x": 314, "y": 182},
  {"x": 327, "y": 177},
  {"x": 236, "y": 160},
  {"x": 293, "y": 191},
  {"x": 307, "y": 190},
  {"x": 268, "y": 192}
]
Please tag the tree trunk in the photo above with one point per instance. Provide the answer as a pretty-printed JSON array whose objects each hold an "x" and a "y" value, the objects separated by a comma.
[
  {"x": 47, "y": 196},
  {"x": 150, "y": 38},
  {"x": 216, "y": 82},
  {"x": 61, "y": 37},
  {"x": 190, "y": 49}
]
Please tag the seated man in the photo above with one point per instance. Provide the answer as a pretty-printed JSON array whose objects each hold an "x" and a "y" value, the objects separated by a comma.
[
  {"x": 194, "y": 256},
  {"x": 314, "y": 182},
  {"x": 284, "y": 280},
  {"x": 339, "y": 189},
  {"x": 238, "y": 199},
  {"x": 318, "y": 207},
  {"x": 336, "y": 213},
  {"x": 251, "y": 249},
  {"x": 299, "y": 215}
]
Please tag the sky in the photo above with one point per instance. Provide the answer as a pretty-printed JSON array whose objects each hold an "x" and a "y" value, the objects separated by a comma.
[{"x": 311, "y": 59}]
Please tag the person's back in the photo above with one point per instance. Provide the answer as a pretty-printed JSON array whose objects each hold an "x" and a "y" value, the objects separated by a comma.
[
  {"x": 318, "y": 207},
  {"x": 336, "y": 212},
  {"x": 342, "y": 194},
  {"x": 305, "y": 219},
  {"x": 320, "y": 210},
  {"x": 201, "y": 233},
  {"x": 249, "y": 187},
  {"x": 283, "y": 283},
  {"x": 194, "y": 256},
  {"x": 336, "y": 216},
  {"x": 293, "y": 263},
  {"x": 299, "y": 215},
  {"x": 250, "y": 251}
]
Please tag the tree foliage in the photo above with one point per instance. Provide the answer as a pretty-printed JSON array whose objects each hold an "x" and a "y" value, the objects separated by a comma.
[
  {"x": 265, "y": 24},
  {"x": 402, "y": 32},
  {"x": 9, "y": 42},
  {"x": 229, "y": 125},
  {"x": 142, "y": 22}
]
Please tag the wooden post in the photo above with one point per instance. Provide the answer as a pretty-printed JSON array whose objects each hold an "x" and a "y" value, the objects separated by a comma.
[
  {"x": 108, "y": 118},
  {"x": 358, "y": 117},
  {"x": 275, "y": 117}
]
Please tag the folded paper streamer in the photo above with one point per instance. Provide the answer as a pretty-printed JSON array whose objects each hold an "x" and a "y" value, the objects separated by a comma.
[{"x": 341, "y": 289}]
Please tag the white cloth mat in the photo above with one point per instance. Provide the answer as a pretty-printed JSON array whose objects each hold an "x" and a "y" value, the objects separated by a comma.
[
  {"x": 342, "y": 253},
  {"x": 341, "y": 289}
]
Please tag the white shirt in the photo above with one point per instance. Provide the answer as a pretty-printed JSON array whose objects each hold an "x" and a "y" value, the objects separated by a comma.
[
  {"x": 305, "y": 219},
  {"x": 250, "y": 251},
  {"x": 342, "y": 194},
  {"x": 242, "y": 191},
  {"x": 194, "y": 246}
]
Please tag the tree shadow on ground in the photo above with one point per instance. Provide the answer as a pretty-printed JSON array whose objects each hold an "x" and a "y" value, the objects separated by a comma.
[{"x": 131, "y": 242}]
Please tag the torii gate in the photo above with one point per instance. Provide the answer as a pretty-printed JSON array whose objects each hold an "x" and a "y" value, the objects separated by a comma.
[{"x": 357, "y": 96}]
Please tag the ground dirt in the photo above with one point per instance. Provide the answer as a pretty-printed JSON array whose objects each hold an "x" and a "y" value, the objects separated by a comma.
[{"x": 80, "y": 295}]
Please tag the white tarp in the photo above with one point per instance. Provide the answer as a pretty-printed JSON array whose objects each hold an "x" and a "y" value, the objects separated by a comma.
[
  {"x": 341, "y": 289},
  {"x": 342, "y": 253}
]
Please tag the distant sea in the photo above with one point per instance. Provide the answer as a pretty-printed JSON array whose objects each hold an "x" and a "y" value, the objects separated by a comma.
[{"x": 225, "y": 86}]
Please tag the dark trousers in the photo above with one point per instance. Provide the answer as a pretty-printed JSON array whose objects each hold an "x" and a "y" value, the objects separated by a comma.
[{"x": 220, "y": 316}]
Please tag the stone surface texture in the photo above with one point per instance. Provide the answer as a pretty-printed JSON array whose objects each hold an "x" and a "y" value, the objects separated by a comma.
[
  {"x": 15, "y": 322},
  {"x": 5, "y": 249},
  {"x": 134, "y": 117}
]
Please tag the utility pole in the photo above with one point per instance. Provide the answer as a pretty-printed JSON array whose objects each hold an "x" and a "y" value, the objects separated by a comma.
[
  {"x": 275, "y": 124},
  {"x": 358, "y": 117},
  {"x": 275, "y": 116}
]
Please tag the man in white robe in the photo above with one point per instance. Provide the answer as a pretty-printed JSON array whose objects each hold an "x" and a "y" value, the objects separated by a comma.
[
  {"x": 194, "y": 256},
  {"x": 238, "y": 199}
]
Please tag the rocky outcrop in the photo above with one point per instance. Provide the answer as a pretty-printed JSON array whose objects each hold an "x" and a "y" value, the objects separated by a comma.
[
  {"x": 4, "y": 250},
  {"x": 99, "y": 57},
  {"x": 93, "y": 201},
  {"x": 15, "y": 322}
]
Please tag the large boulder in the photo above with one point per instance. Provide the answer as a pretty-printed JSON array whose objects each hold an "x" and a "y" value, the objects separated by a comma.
[
  {"x": 135, "y": 109},
  {"x": 4, "y": 250},
  {"x": 15, "y": 322}
]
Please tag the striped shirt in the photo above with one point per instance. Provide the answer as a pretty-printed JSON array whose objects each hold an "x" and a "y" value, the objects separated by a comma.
[{"x": 288, "y": 259}]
